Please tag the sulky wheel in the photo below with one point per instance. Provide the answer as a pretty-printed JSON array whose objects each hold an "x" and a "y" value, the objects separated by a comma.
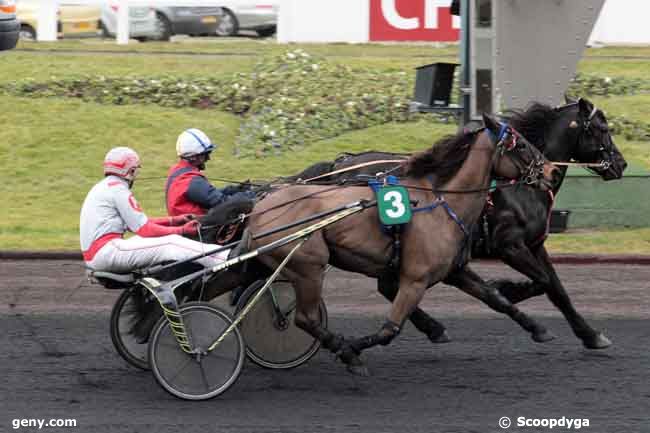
[
  {"x": 272, "y": 338},
  {"x": 197, "y": 376},
  {"x": 123, "y": 318}
]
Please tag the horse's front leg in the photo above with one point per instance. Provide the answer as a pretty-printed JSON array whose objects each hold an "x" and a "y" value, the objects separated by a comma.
[
  {"x": 469, "y": 282},
  {"x": 555, "y": 291},
  {"x": 434, "y": 330}
]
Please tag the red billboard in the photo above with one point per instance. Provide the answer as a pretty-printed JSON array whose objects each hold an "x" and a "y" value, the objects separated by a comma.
[{"x": 413, "y": 20}]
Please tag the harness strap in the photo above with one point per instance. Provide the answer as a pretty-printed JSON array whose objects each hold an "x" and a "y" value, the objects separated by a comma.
[
  {"x": 171, "y": 180},
  {"x": 440, "y": 201}
]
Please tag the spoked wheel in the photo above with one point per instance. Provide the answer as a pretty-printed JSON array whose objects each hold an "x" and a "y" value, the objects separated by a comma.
[
  {"x": 192, "y": 376},
  {"x": 123, "y": 318},
  {"x": 272, "y": 339}
]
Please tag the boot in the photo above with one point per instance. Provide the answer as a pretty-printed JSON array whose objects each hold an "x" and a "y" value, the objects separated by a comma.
[{"x": 243, "y": 246}]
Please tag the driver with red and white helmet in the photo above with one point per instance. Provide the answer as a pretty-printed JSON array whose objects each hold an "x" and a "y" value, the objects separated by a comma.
[{"x": 110, "y": 209}]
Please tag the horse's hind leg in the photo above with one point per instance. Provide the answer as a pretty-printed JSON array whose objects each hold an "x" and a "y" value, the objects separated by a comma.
[
  {"x": 469, "y": 282},
  {"x": 434, "y": 330}
]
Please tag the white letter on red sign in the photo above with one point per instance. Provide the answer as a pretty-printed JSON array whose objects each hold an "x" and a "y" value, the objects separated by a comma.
[
  {"x": 431, "y": 12},
  {"x": 389, "y": 10}
]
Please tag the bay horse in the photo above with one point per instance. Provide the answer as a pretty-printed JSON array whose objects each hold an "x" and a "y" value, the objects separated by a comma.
[
  {"x": 517, "y": 219},
  {"x": 463, "y": 166}
]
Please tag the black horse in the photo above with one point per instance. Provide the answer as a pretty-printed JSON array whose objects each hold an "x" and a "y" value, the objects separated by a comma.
[{"x": 517, "y": 218}]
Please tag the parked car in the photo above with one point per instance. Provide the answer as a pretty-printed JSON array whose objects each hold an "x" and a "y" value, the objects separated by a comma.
[
  {"x": 9, "y": 26},
  {"x": 260, "y": 18},
  {"x": 143, "y": 22},
  {"x": 73, "y": 19},
  {"x": 186, "y": 20}
]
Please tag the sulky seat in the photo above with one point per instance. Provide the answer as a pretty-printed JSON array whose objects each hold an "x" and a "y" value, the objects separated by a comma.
[{"x": 110, "y": 280}]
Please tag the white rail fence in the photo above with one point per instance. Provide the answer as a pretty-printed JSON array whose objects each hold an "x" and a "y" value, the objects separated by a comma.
[{"x": 47, "y": 12}]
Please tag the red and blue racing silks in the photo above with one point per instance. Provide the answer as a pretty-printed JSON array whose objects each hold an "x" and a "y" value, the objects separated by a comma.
[{"x": 189, "y": 192}]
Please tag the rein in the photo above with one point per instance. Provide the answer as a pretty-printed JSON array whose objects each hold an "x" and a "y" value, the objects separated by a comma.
[{"x": 582, "y": 164}]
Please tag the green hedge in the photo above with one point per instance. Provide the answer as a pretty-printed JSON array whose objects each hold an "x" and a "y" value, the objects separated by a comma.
[{"x": 292, "y": 100}]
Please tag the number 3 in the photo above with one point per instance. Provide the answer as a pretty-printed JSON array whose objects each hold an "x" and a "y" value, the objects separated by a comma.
[{"x": 396, "y": 202}]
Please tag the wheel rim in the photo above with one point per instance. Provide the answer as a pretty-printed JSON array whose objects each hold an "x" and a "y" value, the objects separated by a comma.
[
  {"x": 272, "y": 344},
  {"x": 181, "y": 374},
  {"x": 26, "y": 35},
  {"x": 225, "y": 26}
]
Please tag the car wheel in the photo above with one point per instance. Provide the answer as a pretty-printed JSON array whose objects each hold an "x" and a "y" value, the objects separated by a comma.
[
  {"x": 27, "y": 33},
  {"x": 266, "y": 32},
  {"x": 164, "y": 27},
  {"x": 228, "y": 25}
]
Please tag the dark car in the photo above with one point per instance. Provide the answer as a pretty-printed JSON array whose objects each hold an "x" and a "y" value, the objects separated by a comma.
[
  {"x": 187, "y": 20},
  {"x": 9, "y": 25}
]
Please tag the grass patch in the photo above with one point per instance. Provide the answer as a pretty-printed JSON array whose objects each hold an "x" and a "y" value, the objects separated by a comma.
[
  {"x": 49, "y": 167},
  {"x": 42, "y": 66},
  {"x": 603, "y": 241},
  {"x": 51, "y": 154}
]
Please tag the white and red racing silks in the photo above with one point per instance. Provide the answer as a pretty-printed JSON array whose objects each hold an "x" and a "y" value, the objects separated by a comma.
[{"x": 108, "y": 211}]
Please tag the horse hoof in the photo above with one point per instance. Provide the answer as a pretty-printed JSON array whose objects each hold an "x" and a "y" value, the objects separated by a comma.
[
  {"x": 440, "y": 338},
  {"x": 542, "y": 336},
  {"x": 599, "y": 341},
  {"x": 359, "y": 370}
]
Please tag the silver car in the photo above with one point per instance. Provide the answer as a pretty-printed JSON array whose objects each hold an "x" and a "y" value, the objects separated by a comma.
[
  {"x": 9, "y": 25},
  {"x": 187, "y": 20},
  {"x": 259, "y": 17},
  {"x": 143, "y": 23}
]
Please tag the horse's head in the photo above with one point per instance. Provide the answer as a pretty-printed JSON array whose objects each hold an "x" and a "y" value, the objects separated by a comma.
[
  {"x": 516, "y": 158},
  {"x": 592, "y": 140}
]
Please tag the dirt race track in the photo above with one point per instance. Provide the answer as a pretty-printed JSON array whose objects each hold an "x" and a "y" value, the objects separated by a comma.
[{"x": 58, "y": 362}]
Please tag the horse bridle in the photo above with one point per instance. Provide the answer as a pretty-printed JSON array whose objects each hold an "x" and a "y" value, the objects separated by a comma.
[
  {"x": 604, "y": 164},
  {"x": 508, "y": 141}
]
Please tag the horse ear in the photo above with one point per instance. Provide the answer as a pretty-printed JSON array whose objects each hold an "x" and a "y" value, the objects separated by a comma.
[
  {"x": 569, "y": 100},
  {"x": 491, "y": 123},
  {"x": 585, "y": 106}
]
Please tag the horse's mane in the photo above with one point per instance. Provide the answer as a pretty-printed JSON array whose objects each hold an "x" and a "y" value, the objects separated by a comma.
[
  {"x": 444, "y": 158},
  {"x": 532, "y": 122}
]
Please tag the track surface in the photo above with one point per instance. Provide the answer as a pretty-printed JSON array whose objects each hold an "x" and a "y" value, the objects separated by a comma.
[{"x": 58, "y": 362}]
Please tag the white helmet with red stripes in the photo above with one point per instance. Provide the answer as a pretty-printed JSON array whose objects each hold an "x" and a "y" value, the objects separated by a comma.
[
  {"x": 193, "y": 142},
  {"x": 122, "y": 162}
]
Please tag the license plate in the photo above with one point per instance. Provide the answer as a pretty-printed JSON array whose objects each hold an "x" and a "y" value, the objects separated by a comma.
[
  {"x": 209, "y": 20},
  {"x": 82, "y": 26}
]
